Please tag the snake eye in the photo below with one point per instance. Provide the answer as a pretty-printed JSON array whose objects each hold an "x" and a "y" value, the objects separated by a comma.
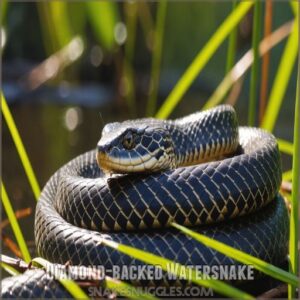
[{"x": 128, "y": 141}]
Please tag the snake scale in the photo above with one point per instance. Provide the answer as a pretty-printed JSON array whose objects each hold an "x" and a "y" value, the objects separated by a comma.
[{"x": 201, "y": 171}]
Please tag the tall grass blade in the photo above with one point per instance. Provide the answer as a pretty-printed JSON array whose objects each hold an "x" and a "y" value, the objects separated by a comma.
[
  {"x": 128, "y": 77},
  {"x": 241, "y": 67},
  {"x": 156, "y": 60},
  {"x": 3, "y": 11},
  {"x": 71, "y": 286},
  {"x": 9, "y": 269},
  {"x": 126, "y": 290},
  {"x": 255, "y": 66},
  {"x": 202, "y": 59},
  {"x": 265, "y": 61},
  {"x": 103, "y": 16},
  {"x": 294, "y": 219},
  {"x": 231, "y": 51},
  {"x": 20, "y": 148},
  {"x": 294, "y": 6},
  {"x": 287, "y": 176},
  {"x": 285, "y": 146},
  {"x": 282, "y": 79},
  {"x": 14, "y": 224},
  {"x": 178, "y": 269},
  {"x": 60, "y": 21},
  {"x": 241, "y": 256},
  {"x": 75, "y": 290},
  {"x": 51, "y": 44}
]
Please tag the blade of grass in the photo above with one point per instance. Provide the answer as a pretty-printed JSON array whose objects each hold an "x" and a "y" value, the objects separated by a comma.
[
  {"x": 14, "y": 224},
  {"x": 55, "y": 24},
  {"x": 285, "y": 146},
  {"x": 175, "y": 269},
  {"x": 9, "y": 269},
  {"x": 282, "y": 79},
  {"x": 293, "y": 245},
  {"x": 126, "y": 290},
  {"x": 244, "y": 64},
  {"x": 241, "y": 256},
  {"x": 156, "y": 59},
  {"x": 60, "y": 21},
  {"x": 71, "y": 286},
  {"x": 288, "y": 175},
  {"x": 128, "y": 77},
  {"x": 255, "y": 65},
  {"x": 75, "y": 290},
  {"x": 3, "y": 11},
  {"x": 146, "y": 21},
  {"x": 231, "y": 51},
  {"x": 202, "y": 59},
  {"x": 265, "y": 60},
  {"x": 294, "y": 6},
  {"x": 50, "y": 41},
  {"x": 103, "y": 16},
  {"x": 20, "y": 147}
]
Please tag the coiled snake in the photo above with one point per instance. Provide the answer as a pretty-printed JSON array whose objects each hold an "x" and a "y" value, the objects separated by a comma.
[{"x": 195, "y": 171}]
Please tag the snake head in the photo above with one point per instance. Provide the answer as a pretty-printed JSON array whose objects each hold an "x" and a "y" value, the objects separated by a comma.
[{"x": 131, "y": 147}]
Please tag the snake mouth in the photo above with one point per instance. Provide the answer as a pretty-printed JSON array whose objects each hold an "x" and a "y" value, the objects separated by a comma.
[{"x": 125, "y": 165}]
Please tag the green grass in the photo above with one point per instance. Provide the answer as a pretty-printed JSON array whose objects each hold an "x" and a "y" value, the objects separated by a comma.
[
  {"x": 128, "y": 72},
  {"x": 241, "y": 256},
  {"x": 255, "y": 67},
  {"x": 239, "y": 70},
  {"x": 294, "y": 219},
  {"x": 14, "y": 224},
  {"x": 231, "y": 51},
  {"x": 177, "y": 270},
  {"x": 70, "y": 285},
  {"x": 103, "y": 27},
  {"x": 20, "y": 148},
  {"x": 282, "y": 79},
  {"x": 156, "y": 58},
  {"x": 202, "y": 59},
  {"x": 285, "y": 146}
]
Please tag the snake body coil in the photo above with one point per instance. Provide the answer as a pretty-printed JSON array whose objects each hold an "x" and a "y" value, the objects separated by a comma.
[{"x": 168, "y": 182}]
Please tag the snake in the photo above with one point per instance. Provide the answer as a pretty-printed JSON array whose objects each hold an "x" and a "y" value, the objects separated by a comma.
[{"x": 202, "y": 171}]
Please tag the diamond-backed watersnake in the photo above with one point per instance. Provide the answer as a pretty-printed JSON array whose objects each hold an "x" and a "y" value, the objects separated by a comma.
[{"x": 201, "y": 171}]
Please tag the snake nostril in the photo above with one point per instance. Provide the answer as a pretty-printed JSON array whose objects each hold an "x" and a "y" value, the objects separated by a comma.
[{"x": 103, "y": 148}]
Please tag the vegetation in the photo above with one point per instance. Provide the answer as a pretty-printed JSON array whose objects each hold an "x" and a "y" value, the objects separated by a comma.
[{"x": 59, "y": 30}]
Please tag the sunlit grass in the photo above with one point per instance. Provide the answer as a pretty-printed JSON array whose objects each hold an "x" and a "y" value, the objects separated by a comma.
[
  {"x": 285, "y": 146},
  {"x": 294, "y": 219},
  {"x": 104, "y": 26},
  {"x": 156, "y": 57},
  {"x": 231, "y": 51},
  {"x": 202, "y": 59},
  {"x": 20, "y": 148},
  {"x": 128, "y": 73},
  {"x": 288, "y": 175},
  {"x": 255, "y": 66},
  {"x": 241, "y": 256},
  {"x": 14, "y": 224},
  {"x": 178, "y": 269},
  {"x": 70, "y": 285},
  {"x": 282, "y": 79},
  {"x": 120, "y": 287},
  {"x": 242, "y": 66}
]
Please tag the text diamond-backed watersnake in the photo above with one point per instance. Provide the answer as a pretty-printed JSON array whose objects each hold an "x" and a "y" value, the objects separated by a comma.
[{"x": 168, "y": 182}]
